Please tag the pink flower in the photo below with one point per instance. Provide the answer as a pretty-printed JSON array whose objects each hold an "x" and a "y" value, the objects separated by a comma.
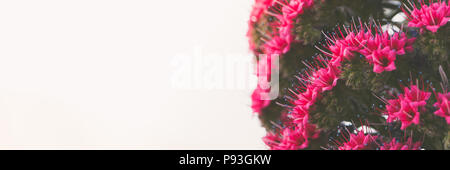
[
  {"x": 293, "y": 9},
  {"x": 293, "y": 139},
  {"x": 258, "y": 102},
  {"x": 359, "y": 142},
  {"x": 358, "y": 40},
  {"x": 408, "y": 114},
  {"x": 392, "y": 108},
  {"x": 395, "y": 145},
  {"x": 416, "y": 96},
  {"x": 443, "y": 105},
  {"x": 285, "y": 30},
  {"x": 383, "y": 59},
  {"x": 277, "y": 45},
  {"x": 285, "y": 33},
  {"x": 300, "y": 114},
  {"x": 326, "y": 78},
  {"x": 307, "y": 98},
  {"x": 373, "y": 43},
  {"x": 430, "y": 17},
  {"x": 341, "y": 50},
  {"x": 398, "y": 42},
  {"x": 406, "y": 107}
]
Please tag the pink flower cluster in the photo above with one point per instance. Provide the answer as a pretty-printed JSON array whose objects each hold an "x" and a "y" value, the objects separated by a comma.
[
  {"x": 320, "y": 79},
  {"x": 258, "y": 9},
  {"x": 380, "y": 49},
  {"x": 359, "y": 141},
  {"x": 443, "y": 106},
  {"x": 429, "y": 17},
  {"x": 285, "y": 12},
  {"x": 291, "y": 137},
  {"x": 362, "y": 141},
  {"x": 395, "y": 145},
  {"x": 407, "y": 106},
  {"x": 279, "y": 41},
  {"x": 258, "y": 102},
  {"x": 298, "y": 130}
]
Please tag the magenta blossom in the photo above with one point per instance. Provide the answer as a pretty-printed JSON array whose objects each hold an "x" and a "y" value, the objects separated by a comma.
[
  {"x": 392, "y": 108},
  {"x": 293, "y": 139},
  {"x": 407, "y": 106},
  {"x": 300, "y": 115},
  {"x": 285, "y": 30},
  {"x": 307, "y": 98},
  {"x": 398, "y": 42},
  {"x": 429, "y": 17},
  {"x": 277, "y": 45},
  {"x": 383, "y": 59},
  {"x": 340, "y": 50},
  {"x": 443, "y": 105},
  {"x": 395, "y": 145},
  {"x": 293, "y": 9},
  {"x": 359, "y": 142},
  {"x": 416, "y": 96},
  {"x": 326, "y": 78},
  {"x": 356, "y": 41},
  {"x": 258, "y": 102},
  {"x": 372, "y": 44},
  {"x": 408, "y": 114}
]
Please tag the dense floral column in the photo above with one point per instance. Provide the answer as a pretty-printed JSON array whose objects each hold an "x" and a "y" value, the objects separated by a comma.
[{"x": 354, "y": 74}]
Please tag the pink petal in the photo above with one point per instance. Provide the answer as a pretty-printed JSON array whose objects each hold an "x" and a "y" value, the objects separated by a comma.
[
  {"x": 390, "y": 67},
  {"x": 433, "y": 28},
  {"x": 377, "y": 68}
]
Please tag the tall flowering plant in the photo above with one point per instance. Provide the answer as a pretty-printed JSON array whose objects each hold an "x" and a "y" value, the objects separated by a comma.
[{"x": 354, "y": 74}]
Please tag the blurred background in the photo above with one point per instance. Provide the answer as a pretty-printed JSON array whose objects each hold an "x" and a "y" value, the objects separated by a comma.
[{"x": 126, "y": 74}]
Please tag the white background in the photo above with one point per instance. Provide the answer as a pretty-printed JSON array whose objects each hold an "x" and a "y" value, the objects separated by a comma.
[{"x": 96, "y": 74}]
